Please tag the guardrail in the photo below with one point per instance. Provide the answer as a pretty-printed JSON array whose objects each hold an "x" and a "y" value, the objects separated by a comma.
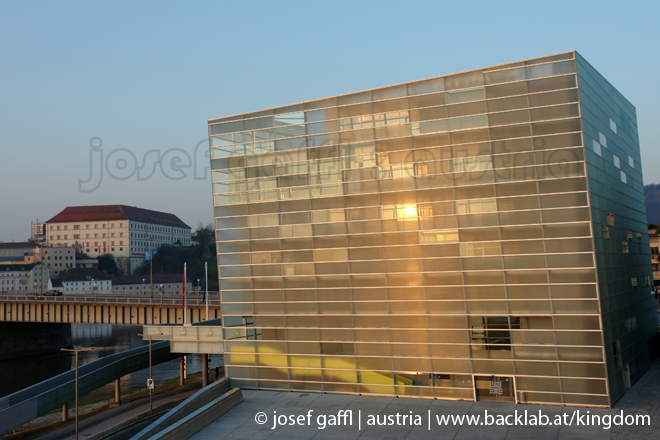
[
  {"x": 32, "y": 402},
  {"x": 191, "y": 299}
]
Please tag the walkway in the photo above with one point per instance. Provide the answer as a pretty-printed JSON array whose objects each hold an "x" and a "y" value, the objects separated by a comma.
[{"x": 240, "y": 422}]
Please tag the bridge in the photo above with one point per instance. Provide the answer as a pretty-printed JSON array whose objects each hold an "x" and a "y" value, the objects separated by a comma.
[
  {"x": 108, "y": 309},
  {"x": 32, "y": 402}
]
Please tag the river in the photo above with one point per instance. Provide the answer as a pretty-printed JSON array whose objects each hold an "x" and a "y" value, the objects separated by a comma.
[{"x": 22, "y": 372}]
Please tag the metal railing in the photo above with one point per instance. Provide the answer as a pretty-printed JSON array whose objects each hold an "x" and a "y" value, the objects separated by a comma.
[
  {"x": 143, "y": 298},
  {"x": 26, "y": 405}
]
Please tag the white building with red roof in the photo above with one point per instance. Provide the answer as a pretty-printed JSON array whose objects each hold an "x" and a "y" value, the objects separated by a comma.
[{"x": 126, "y": 232}]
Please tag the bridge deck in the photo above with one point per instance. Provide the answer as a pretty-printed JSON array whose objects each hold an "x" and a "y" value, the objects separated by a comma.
[{"x": 110, "y": 309}]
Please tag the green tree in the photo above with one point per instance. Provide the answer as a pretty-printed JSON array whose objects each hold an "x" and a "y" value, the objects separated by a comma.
[
  {"x": 107, "y": 264},
  {"x": 170, "y": 259}
]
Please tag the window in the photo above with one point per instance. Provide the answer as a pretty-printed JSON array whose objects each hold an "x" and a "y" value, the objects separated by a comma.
[
  {"x": 625, "y": 247},
  {"x": 634, "y": 282},
  {"x": 612, "y": 125},
  {"x": 639, "y": 237},
  {"x": 596, "y": 146},
  {"x": 399, "y": 212},
  {"x": 629, "y": 235},
  {"x": 492, "y": 332},
  {"x": 476, "y": 206},
  {"x": 604, "y": 231},
  {"x": 616, "y": 349},
  {"x": 617, "y": 162},
  {"x": 610, "y": 219}
]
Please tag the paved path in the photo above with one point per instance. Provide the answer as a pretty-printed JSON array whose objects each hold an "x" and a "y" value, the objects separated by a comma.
[
  {"x": 92, "y": 424},
  {"x": 240, "y": 424},
  {"x": 125, "y": 416}
]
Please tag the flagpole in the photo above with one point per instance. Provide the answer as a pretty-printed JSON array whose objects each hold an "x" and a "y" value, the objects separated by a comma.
[
  {"x": 183, "y": 290},
  {"x": 206, "y": 287}
]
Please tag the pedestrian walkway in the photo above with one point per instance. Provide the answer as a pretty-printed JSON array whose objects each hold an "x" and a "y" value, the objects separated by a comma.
[
  {"x": 128, "y": 415},
  {"x": 268, "y": 415}
]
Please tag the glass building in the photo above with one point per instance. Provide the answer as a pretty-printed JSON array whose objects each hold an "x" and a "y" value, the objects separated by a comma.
[{"x": 476, "y": 236}]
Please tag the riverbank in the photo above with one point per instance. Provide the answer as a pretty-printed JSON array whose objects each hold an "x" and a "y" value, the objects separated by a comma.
[{"x": 100, "y": 402}]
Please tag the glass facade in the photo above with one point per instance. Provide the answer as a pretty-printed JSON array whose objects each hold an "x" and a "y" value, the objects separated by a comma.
[{"x": 460, "y": 237}]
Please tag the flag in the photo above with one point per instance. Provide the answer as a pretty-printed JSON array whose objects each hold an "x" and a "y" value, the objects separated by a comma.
[
  {"x": 183, "y": 288},
  {"x": 204, "y": 294}
]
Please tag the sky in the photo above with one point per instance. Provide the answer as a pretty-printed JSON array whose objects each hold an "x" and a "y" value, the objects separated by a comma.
[{"x": 128, "y": 87}]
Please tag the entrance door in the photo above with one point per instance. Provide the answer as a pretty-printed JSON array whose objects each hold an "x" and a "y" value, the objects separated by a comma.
[
  {"x": 494, "y": 388},
  {"x": 626, "y": 376}
]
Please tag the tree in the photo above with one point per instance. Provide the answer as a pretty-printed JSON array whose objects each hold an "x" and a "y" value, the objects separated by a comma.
[
  {"x": 123, "y": 266},
  {"x": 169, "y": 259},
  {"x": 107, "y": 264},
  {"x": 204, "y": 234}
]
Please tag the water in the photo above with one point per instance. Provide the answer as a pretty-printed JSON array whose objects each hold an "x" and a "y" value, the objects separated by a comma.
[{"x": 22, "y": 372}]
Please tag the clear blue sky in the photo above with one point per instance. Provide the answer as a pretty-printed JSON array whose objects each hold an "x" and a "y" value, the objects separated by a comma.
[{"x": 145, "y": 76}]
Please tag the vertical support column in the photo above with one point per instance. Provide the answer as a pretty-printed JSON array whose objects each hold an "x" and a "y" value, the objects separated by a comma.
[
  {"x": 117, "y": 392},
  {"x": 181, "y": 361},
  {"x": 205, "y": 369},
  {"x": 65, "y": 412}
]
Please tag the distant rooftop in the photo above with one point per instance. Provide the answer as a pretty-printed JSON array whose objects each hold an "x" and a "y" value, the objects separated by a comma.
[
  {"x": 19, "y": 245},
  {"x": 84, "y": 274},
  {"x": 16, "y": 267},
  {"x": 165, "y": 278},
  {"x": 116, "y": 212}
]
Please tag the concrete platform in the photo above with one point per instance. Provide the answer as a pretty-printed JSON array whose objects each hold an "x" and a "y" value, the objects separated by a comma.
[{"x": 241, "y": 422}]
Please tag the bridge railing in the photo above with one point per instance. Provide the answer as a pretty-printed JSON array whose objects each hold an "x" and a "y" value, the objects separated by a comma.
[
  {"x": 141, "y": 298},
  {"x": 32, "y": 402}
]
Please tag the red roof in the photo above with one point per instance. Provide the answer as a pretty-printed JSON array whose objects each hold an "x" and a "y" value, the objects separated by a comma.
[{"x": 116, "y": 212}]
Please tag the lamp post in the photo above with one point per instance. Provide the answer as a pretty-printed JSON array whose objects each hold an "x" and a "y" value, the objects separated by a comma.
[
  {"x": 161, "y": 288},
  {"x": 198, "y": 287},
  {"x": 142, "y": 285},
  {"x": 76, "y": 350},
  {"x": 151, "y": 267},
  {"x": 150, "y": 380},
  {"x": 35, "y": 290},
  {"x": 94, "y": 290}
]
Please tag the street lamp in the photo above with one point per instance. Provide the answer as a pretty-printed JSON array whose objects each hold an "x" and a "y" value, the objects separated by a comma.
[
  {"x": 150, "y": 380},
  {"x": 198, "y": 289},
  {"x": 143, "y": 285},
  {"x": 76, "y": 350},
  {"x": 94, "y": 290},
  {"x": 161, "y": 288}
]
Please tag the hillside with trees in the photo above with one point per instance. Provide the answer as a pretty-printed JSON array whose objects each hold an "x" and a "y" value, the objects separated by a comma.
[
  {"x": 170, "y": 259},
  {"x": 652, "y": 198}
]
